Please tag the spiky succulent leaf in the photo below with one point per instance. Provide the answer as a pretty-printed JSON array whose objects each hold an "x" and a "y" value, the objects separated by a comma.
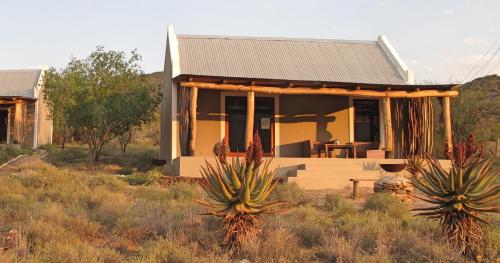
[
  {"x": 459, "y": 196},
  {"x": 238, "y": 187}
]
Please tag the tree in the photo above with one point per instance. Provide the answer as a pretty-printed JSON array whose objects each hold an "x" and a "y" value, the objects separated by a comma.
[
  {"x": 58, "y": 90},
  {"x": 467, "y": 115},
  {"x": 109, "y": 94},
  {"x": 137, "y": 108}
]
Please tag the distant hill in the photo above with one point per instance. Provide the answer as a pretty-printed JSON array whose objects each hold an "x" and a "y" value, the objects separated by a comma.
[
  {"x": 477, "y": 110},
  {"x": 488, "y": 90},
  {"x": 155, "y": 78}
]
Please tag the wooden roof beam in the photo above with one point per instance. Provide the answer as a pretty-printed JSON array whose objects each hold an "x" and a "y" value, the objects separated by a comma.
[{"x": 322, "y": 91}]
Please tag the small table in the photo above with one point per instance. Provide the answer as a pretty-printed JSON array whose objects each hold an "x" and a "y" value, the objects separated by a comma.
[{"x": 346, "y": 147}]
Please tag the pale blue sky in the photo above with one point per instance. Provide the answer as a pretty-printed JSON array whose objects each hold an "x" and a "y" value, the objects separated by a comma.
[{"x": 440, "y": 40}]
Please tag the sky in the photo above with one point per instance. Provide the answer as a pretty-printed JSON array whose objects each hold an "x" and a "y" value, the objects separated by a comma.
[{"x": 442, "y": 40}]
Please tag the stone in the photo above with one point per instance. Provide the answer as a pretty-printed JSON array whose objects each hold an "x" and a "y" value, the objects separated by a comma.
[{"x": 399, "y": 186}]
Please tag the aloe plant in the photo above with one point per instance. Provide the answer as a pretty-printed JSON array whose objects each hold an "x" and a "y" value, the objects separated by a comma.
[
  {"x": 414, "y": 164},
  {"x": 460, "y": 197},
  {"x": 238, "y": 191}
]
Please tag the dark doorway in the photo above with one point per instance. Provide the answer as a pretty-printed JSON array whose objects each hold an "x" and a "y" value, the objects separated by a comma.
[
  {"x": 366, "y": 121},
  {"x": 236, "y": 110},
  {"x": 4, "y": 122}
]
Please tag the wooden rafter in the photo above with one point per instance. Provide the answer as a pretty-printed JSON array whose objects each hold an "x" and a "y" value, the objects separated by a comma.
[{"x": 322, "y": 91}]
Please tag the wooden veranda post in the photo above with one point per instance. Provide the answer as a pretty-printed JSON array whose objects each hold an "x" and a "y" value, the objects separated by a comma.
[
  {"x": 388, "y": 127},
  {"x": 250, "y": 118},
  {"x": 447, "y": 125},
  {"x": 192, "y": 120}
]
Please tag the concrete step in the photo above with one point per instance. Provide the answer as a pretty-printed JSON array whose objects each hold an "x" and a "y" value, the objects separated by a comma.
[
  {"x": 341, "y": 167},
  {"x": 342, "y": 160},
  {"x": 333, "y": 173},
  {"x": 332, "y": 180}
]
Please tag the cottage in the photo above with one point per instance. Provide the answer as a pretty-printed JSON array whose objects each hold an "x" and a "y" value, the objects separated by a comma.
[
  {"x": 23, "y": 113},
  {"x": 305, "y": 97}
]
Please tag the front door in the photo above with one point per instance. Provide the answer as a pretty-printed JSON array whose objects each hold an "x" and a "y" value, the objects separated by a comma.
[
  {"x": 366, "y": 123},
  {"x": 236, "y": 109},
  {"x": 4, "y": 114}
]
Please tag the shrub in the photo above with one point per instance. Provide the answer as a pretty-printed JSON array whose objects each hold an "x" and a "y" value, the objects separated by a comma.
[
  {"x": 8, "y": 152},
  {"x": 54, "y": 251},
  {"x": 110, "y": 182},
  {"x": 307, "y": 213},
  {"x": 285, "y": 247},
  {"x": 147, "y": 178},
  {"x": 125, "y": 171},
  {"x": 310, "y": 235},
  {"x": 289, "y": 192},
  {"x": 408, "y": 246},
  {"x": 338, "y": 249},
  {"x": 164, "y": 250},
  {"x": 387, "y": 203},
  {"x": 184, "y": 191},
  {"x": 71, "y": 155},
  {"x": 107, "y": 207},
  {"x": 492, "y": 243},
  {"x": 337, "y": 204}
]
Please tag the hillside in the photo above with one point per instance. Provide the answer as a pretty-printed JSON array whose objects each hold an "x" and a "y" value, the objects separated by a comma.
[
  {"x": 479, "y": 107},
  {"x": 155, "y": 78},
  {"x": 488, "y": 89}
]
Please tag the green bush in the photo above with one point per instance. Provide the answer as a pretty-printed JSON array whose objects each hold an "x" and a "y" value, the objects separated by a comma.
[
  {"x": 184, "y": 191},
  {"x": 310, "y": 234},
  {"x": 8, "y": 152},
  {"x": 125, "y": 171},
  {"x": 337, "y": 204},
  {"x": 165, "y": 250},
  {"x": 50, "y": 148},
  {"x": 289, "y": 192},
  {"x": 68, "y": 156},
  {"x": 387, "y": 203},
  {"x": 146, "y": 178},
  {"x": 492, "y": 242},
  {"x": 408, "y": 246}
]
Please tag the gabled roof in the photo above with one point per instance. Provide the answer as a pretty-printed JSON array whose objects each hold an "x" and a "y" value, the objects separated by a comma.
[
  {"x": 323, "y": 60},
  {"x": 19, "y": 83}
]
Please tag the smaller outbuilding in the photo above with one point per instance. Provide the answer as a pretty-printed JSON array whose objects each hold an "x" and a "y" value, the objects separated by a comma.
[{"x": 24, "y": 118}]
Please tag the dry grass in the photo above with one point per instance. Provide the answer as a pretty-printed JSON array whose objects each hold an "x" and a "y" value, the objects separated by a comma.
[
  {"x": 136, "y": 159},
  {"x": 8, "y": 152},
  {"x": 59, "y": 214}
]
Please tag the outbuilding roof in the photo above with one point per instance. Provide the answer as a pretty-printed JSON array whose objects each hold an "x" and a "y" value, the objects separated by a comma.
[
  {"x": 19, "y": 83},
  {"x": 323, "y": 60}
]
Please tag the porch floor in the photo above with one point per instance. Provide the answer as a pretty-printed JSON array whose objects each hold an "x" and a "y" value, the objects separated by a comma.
[{"x": 308, "y": 173}]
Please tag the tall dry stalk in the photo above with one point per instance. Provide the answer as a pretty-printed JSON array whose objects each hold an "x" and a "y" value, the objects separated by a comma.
[{"x": 413, "y": 127}]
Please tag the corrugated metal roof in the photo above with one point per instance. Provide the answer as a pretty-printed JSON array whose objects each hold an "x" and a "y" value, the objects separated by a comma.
[
  {"x": 287, "y": 59},
  {"x": 19, "y": 83}
]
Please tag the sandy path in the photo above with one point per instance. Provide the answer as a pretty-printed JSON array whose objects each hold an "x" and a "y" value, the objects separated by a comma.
[{"x": 21, "y": 162}]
